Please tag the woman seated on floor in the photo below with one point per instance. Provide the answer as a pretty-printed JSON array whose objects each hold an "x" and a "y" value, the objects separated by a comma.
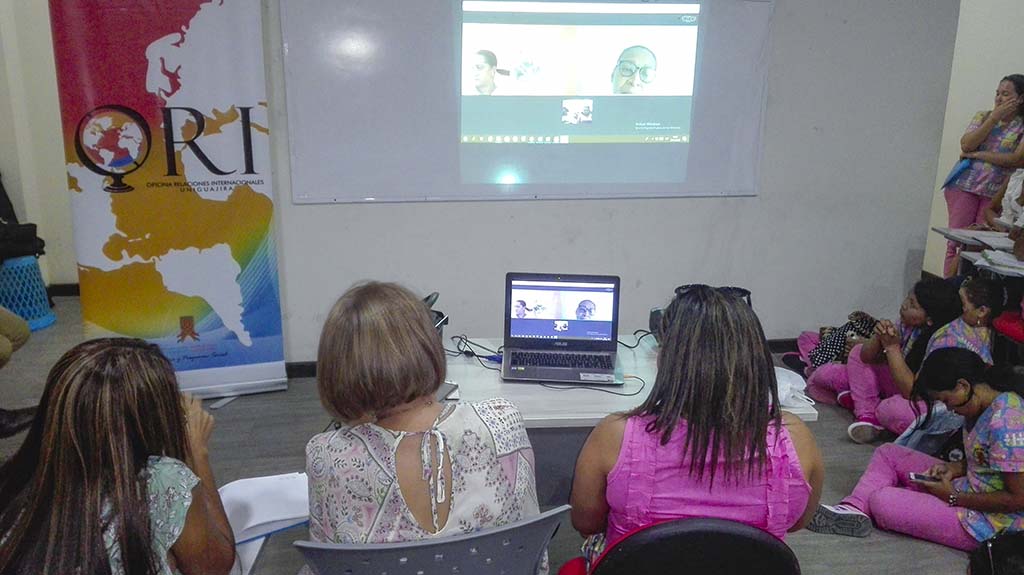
[
  {"x": 403, "y": 466},
  {"x": 954, "y": 504},
  {"x": 709, "y": 441},
  {"x": 870, "y": 383},
  {"x": 113, "y": 476}
]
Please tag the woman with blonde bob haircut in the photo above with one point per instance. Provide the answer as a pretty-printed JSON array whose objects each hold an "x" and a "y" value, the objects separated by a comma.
[
  {"x": 402, "y": 466},
  {"x": 113, "y": 476}
]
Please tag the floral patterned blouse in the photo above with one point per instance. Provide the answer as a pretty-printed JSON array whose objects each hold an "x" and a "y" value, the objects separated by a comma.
[
  {"x": 169, "y": 486},
  {"x": 354, "y": 496},
  {"x": 983, "y": 178}
]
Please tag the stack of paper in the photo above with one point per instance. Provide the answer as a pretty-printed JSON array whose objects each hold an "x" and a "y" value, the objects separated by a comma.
[
  {"x": 1004, "y": 244},
  {"x": 261, "y": 506},
  {"x": 1002, "y": 263}
]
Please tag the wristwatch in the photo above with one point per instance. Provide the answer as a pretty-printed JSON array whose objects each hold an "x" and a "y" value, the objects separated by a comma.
[{"x": 953, "y": 498}]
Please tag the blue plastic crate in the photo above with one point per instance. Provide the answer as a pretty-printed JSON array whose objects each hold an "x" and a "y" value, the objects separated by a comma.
[{"x": 22, "y": 291}]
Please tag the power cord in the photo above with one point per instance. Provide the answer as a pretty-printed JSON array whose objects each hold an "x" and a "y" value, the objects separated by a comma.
[
  {"x": 638, "y": 339},
  {"x": 643, "y": 384}
]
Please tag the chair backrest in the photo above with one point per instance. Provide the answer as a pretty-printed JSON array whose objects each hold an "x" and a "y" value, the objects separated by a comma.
[
  {"x": 699, "y": 546},
  {"x": 514, "y": 549}
]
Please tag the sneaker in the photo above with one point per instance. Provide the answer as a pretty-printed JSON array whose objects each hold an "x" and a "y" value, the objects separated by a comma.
[
  {"x": 840, "y": 519},
  {"x": 845, "y": 400},
  {"x": 865, "y": 430},
  {"x": 793, "y": 361}
]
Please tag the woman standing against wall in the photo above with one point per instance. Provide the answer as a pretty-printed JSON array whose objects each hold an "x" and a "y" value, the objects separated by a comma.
[{"x": 993, "y": 141}]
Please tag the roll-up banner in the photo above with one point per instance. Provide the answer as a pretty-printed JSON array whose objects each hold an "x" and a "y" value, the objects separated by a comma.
[{"x": 164, "y": 114}]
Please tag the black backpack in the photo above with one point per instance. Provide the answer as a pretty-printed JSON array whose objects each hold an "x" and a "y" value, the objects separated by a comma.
[{"x": 16, "y": 239}]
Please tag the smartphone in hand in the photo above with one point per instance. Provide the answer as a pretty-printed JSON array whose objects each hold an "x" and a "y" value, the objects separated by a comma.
[{"x": 922, "y": 478}]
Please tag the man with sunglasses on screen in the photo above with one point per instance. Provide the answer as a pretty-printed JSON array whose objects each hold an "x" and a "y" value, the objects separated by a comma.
[{"x": 636, "y": 67}]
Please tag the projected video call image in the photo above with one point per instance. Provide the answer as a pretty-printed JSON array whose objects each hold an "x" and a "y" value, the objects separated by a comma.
[
  {"x": 610, "y": 79},
  {"x": 578, "y": 60}
]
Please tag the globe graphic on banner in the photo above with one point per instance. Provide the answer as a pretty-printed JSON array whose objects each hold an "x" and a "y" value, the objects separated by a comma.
[{"x": 114, "y": 142}]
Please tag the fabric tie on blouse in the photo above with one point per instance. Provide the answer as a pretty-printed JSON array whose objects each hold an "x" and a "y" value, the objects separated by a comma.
[{"x": 435, "y": 480}]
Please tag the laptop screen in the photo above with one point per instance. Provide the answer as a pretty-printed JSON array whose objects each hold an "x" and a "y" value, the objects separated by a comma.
[{"x": 557, "y": 309}]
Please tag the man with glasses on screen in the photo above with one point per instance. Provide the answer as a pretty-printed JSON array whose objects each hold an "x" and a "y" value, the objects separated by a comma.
[
  {"x": 586, "y": 310},
  {"x": 636, "y": 68}
]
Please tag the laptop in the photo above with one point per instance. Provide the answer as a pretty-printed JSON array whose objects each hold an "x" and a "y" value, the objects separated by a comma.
[{"x": 561, "y": 328}]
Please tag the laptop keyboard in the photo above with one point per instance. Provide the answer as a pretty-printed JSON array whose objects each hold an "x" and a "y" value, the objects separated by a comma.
[{"x": 577, "y": 360}]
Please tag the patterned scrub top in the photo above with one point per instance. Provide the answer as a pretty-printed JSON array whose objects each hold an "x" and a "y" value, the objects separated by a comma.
[
  {"x": 995, "y": 446},
  {"x": 958, "y": 334},
  {"x": 983, "y": 178},
  {"x": 354, "y": 496},
  {"x": 169, "y": 487}
]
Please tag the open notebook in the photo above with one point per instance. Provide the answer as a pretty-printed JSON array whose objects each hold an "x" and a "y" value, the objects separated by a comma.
[{"x": 260, "y": 506}]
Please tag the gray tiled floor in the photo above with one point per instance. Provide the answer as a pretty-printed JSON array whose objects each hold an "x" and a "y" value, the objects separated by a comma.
[{"x": 265, "y": 434}]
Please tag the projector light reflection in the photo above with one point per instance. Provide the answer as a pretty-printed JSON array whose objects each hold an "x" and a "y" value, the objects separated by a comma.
[
  {"x": 353, "y": 49},
  {"x": 508, "y": 178}
]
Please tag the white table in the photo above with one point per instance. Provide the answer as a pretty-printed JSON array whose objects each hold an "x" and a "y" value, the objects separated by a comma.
[
  {"x": 543, "y": 407},
  {"x": 970, "y": 257},
  {"x": 977, "y": 238},
  {"x": 559, "y": 421}
]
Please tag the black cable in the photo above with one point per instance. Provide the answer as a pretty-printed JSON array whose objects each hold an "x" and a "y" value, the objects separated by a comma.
[
  {"x": 464, "y": 344},
  {"x": 638, "y": 340},
  {"x": 484, "y": 365},
  {"x": 643, "y": 384}
]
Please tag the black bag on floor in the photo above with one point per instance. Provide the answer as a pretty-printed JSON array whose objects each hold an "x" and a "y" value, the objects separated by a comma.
[{"x": 16, "y": 239}]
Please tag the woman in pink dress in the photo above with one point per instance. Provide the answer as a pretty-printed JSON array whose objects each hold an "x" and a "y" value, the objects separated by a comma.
[{"x": 709, "y": 441}]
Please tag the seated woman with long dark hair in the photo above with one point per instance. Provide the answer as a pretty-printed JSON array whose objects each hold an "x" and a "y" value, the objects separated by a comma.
[
  {"x": 113, "y": 476},
  {"x": 955, "y": 504},
  {"x": 709, "y": 441}
]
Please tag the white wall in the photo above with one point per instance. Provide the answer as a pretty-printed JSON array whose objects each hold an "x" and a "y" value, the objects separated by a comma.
[
  {"x": 988, "y": 41},
  {"x": 31, "y": 149},
  {"x": 8, "y": 160},
  {"x": 856, "y": 96}
]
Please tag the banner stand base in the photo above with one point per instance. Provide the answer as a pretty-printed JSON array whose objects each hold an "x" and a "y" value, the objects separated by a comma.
[
  {"x": 237, "y": 380},
  {"x": 236, "y": 389}
]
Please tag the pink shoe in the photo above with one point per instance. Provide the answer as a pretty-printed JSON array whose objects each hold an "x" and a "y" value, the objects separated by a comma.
[
  {"x": 845, "y": 400},
  {"x": 865, "y": 430}
]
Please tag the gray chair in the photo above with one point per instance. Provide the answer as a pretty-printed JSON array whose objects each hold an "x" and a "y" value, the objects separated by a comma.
[{"x": 514, "y": 549}]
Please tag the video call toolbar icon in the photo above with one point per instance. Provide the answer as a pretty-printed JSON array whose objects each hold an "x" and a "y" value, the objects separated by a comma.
[
  {"x": 517, "y": 139},
  {"x": 564, "y": 139}
]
